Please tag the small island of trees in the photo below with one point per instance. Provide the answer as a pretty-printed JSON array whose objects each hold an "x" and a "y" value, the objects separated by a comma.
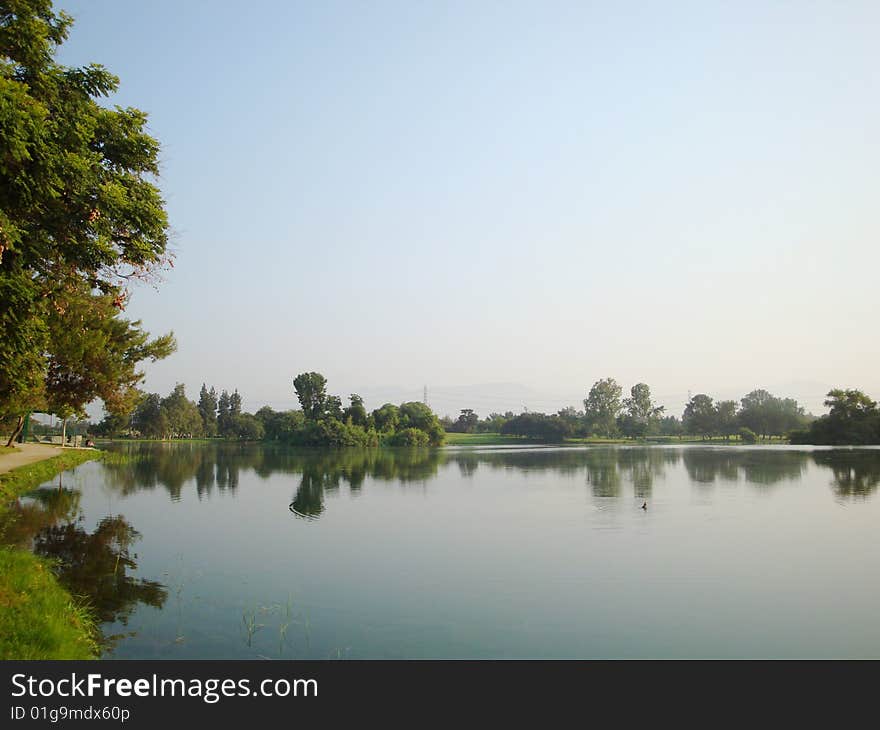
[{"x": 321, "y": 420}]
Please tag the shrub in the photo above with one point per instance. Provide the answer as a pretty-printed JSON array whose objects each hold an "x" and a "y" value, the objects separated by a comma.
[
  {"x": 537, "y": 426},
  {"x": 747, "y": 436},
  {"x": 408, "y": 437}
]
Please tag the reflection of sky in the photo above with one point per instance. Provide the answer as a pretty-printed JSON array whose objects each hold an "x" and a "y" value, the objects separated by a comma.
[{"x": 518, "y": 558}]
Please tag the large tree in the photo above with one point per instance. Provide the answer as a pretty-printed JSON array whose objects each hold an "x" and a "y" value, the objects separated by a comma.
[
  {"x": 311, "y": 389},
  {"x": 467, "y": 421},
  {"x": 757, "y": 411},
  {"x": 356, "y": 412},
  {"x": 80, "y": 216},
  {"x": 149, "y": 418},
  {"x": 386, "y": 417},
  {"x": 183, "y": 415},
  {"x": 853, "y": 418},
  {"x": 641, "y": 413},
  {"x": 602, "y": 406},
  {"x": 208, "y": 410},
  {"x": 726, "y": 420},
  {"x": 415, "y": 414},
  {"x": 224, "y": 414},
  {"x": 700, "y": 416},
  {"x": 94, "y": 353},
  {"x": 768, "y": 415},
  {"x": 235, "y": 403}
]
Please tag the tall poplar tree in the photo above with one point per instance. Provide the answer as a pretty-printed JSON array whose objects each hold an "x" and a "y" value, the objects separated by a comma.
[
  {"x": 208, "y": 410},
  {"x": 224, "y": 419}
]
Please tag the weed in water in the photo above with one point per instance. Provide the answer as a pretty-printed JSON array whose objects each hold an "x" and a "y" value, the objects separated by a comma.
[{"x": 249, "y": 619}]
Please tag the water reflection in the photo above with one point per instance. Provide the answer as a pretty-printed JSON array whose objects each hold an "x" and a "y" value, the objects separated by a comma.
[
  {"x": 97, "y": 565},
  {"x": 856, "y": 473},
  {"x": 94, "y": 566},
  {"x": 229, "y": 518},
  {"x": 607, "y": 472},
  {"x": 764, "y": 467},
  {"x": 327, "y": 471}
]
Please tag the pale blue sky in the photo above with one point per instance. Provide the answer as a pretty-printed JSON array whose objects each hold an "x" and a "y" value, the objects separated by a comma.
[{"x": 477, "y": 193}]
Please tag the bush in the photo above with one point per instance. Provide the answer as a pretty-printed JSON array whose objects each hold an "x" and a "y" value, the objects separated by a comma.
[
  {"x": 537, "y": 426},
  {"x": 418, "y": 415},
  {"x": 801, "y": 436},
  {"x": 247, "y": 427},
  {"x": 408, "y": 437},
  {"x": 334, "y": 433},
  {"x": 747, "y": 436}
]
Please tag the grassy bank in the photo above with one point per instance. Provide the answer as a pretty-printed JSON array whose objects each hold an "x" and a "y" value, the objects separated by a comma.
[
  {"x": 18, "y": 481},
  {"x": 485, "y": 439},
  {"x": 38, "y": 618}
]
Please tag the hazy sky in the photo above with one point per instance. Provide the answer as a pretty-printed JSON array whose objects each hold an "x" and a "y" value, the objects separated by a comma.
[{"x": 486, "y": 194}]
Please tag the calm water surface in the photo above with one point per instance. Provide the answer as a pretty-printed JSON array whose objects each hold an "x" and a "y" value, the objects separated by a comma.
[{"x": 245, "y": 551}]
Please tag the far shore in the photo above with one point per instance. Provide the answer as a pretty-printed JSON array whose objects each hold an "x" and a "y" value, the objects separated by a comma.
[{"x": 497, "y": 439}]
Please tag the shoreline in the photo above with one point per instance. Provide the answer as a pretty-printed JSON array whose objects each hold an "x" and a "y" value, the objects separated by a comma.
[
  {"x": 39, "y": 618},
  {"x": 25, "y": 454}
]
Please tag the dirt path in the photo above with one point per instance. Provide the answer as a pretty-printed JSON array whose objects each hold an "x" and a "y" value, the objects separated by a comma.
[{"x": 27, "y": 454}]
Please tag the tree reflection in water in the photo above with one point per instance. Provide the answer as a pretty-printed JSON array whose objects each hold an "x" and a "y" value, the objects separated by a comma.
[
  {"x": 94, "y": 566},
  {"x": 856, "y": 473},
  {"x": 328, "y": 470},
  {"x": 607, "y": 471},
  {"x": 758, "y": 467}
]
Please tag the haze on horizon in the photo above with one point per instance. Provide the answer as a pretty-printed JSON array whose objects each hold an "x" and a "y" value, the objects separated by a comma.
[{"x": 536, "y": 194}]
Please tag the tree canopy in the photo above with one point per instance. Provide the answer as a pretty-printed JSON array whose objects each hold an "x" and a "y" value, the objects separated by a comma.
[
  {"x": 853, "y": 418},
  {"x": 326, "y": 423},
  {"x": 602, "y": 406},
  {"x": 80, "y": 218},
  {"x": 311, "y": 390}
]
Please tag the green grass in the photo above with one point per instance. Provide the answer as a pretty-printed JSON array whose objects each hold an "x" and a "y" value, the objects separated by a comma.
[
  {"x": 38, "y": 618},
  {"x": 484, "y": 439},
  {"x": 7, "y": 450}
]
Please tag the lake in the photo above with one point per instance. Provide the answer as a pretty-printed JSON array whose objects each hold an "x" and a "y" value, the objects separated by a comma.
[{"x": 242, "y": 551}]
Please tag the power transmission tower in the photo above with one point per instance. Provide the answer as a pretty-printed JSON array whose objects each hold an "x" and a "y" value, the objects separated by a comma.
[{"x": 425, "y": 395}]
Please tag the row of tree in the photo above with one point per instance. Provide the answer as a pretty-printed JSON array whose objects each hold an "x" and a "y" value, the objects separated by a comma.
[
  {"x": 321, "y": 421},
  {"x": 175, "y": 416},
  {"x": 607, "y": 414}
]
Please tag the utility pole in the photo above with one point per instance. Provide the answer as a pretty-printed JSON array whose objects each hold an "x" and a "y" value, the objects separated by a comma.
[{"x": 425, "y": 395}]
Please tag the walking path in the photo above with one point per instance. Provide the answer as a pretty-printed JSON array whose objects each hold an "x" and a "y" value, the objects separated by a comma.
[{"x": 27, "y": 454}]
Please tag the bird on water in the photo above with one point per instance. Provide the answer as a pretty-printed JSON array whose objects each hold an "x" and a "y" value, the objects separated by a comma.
[{"x": 645, "y": 506}]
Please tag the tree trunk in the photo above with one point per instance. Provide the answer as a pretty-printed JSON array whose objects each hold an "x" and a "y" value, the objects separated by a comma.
[
  {"x": 64, "y": 433},
  {"x": 16, "y": 431}
]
